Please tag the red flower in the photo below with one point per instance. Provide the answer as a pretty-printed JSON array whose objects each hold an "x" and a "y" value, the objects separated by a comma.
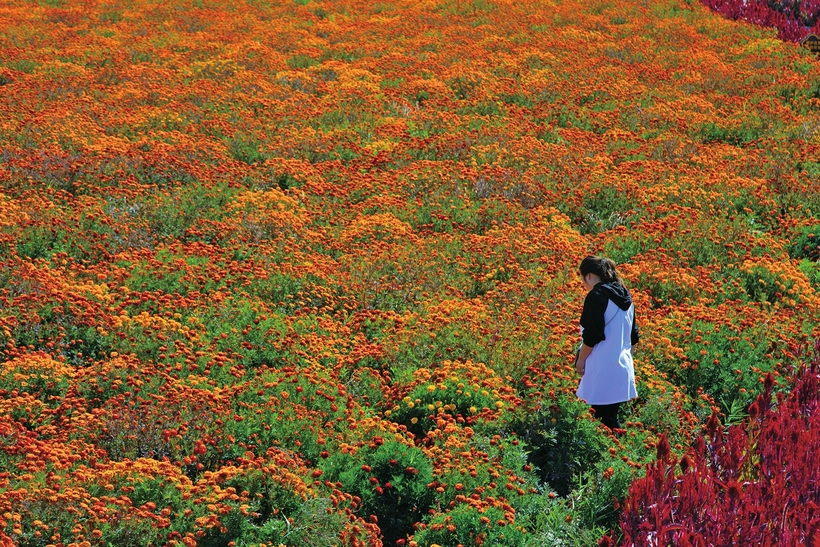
[
  {"x": 200, "y": 448},
  {"x": 663, "y": 449},
  {"x": 685, "y": 464},
  {"x": 734, "y": 490},
  {"x": 754, "y": 410}
]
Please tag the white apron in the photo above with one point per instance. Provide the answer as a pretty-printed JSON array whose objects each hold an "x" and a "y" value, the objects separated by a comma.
[{"x": 609, "y": 376}]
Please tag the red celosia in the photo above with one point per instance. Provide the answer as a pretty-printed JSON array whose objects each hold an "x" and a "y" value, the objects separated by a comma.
[
  {"x": 793, "y": 19},
  {"x": 755, "y": 485}
]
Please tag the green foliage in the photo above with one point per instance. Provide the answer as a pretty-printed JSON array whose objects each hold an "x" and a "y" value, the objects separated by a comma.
[
  {"x": 390, "y": 478},
  {"x": 162, "y": 215},
  {"x": 425, "y": 345},
  {"x": 761, "y": 284},
  {"x": 275, "y": 515},
  {"x": 301, "y": 61},
  {"x": 290, "y": 293},
  {"x": 598, "y": 493},
  {"x": 133, "y": 532},
  {"x": 749, "y": 130},
  {"x": 247, "y": 149},
  {"x": 315, "y": 523},
  {"x": 567, "y": 118},
  {"x": 557, "y": 525},
  {"x": 41, "y": 242},
  {"x": 724, "y": 362},
  {"x": 811, "y": 269},
  {"x": 666, "y": 290},
  {"x": 604, "y": 210},
  {"x": 237, "y": 327},
  {"x": 564, "y": 442},
  {"x": 805, "y": 244},
  {"x": 58, "y": 328},
  {"x": 519, "y": 99},
  {"x": 283, "y": 408},
  {"x": 468, "y": 525}
]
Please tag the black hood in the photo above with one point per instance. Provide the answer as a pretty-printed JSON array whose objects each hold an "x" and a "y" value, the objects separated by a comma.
[{"x": 617, "y": 293}]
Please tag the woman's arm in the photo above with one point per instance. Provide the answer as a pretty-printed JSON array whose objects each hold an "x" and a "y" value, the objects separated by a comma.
[
  {"x": 592, "y": 317},
  {"x": 581, "y": 362}
]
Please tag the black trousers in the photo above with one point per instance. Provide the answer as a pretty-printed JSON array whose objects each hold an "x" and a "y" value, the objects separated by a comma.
[{"x": 608, "y": 414}]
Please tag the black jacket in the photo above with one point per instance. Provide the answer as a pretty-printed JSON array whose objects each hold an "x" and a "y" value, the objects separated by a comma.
[{"x": 595, "y": 303}]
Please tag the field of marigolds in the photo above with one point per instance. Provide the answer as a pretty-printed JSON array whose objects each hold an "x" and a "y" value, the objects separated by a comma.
[{"x": 304, "y": 273}]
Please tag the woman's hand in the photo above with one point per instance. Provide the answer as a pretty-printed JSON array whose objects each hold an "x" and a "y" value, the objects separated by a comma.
[{"x": 581, "y": 359}]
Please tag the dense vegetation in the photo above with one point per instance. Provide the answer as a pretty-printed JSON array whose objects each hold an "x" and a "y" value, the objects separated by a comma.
[
  {"x": 304, "y": 272},
  {"x": 794, "y": 20}
]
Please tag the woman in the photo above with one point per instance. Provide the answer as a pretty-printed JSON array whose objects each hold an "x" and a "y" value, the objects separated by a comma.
[{"x": 609, "y": 331}]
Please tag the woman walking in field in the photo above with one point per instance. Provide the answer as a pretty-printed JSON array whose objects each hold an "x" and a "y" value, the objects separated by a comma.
[{"x": 609, "y": 332}]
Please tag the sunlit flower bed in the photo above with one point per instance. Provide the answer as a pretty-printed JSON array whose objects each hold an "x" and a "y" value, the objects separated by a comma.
[{"x": 304, "y": 273}]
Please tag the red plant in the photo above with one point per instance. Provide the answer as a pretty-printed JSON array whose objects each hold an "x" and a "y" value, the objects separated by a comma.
[
  {"x": 793, "y": 19},
  {"x": 754, "y": 484}
]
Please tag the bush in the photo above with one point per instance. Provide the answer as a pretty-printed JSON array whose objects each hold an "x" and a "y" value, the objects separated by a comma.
[
  {"x": 792, "y": 19},
  {"x": 389, "y": 480},
  {"x": 806, "y": 243},
  {"x": 468, "y": 525},
  {"x": 565, "y": 442},
  {"x": 464, "y": 391},
  {"x": 753, "y": 484},
  {"x": 724, "y": 362}
]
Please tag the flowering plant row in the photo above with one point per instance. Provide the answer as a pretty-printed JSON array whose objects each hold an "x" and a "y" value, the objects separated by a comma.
[{"x": 304, "y": 272}]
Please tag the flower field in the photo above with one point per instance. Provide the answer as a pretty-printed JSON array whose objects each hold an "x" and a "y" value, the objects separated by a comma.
[{"x": 303, "y": 273}]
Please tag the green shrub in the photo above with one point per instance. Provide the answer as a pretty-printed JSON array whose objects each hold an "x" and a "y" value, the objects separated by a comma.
[
  {"x": 564, "y": 442},
  {"x": 247, "y": 149},
  {"x": 236, "y": 326},
  {"x": 811, "y": 269},
  {"x": 389, "y": 480},
  {"x": 291, "y": 409},
  {"x": 468, "y": 525},
  {"x": 419, "y": 409},
  {"x": 805, "y": 244},
  {"x": 749, "y": 130},
  {"x": 724, "y": 362}
]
